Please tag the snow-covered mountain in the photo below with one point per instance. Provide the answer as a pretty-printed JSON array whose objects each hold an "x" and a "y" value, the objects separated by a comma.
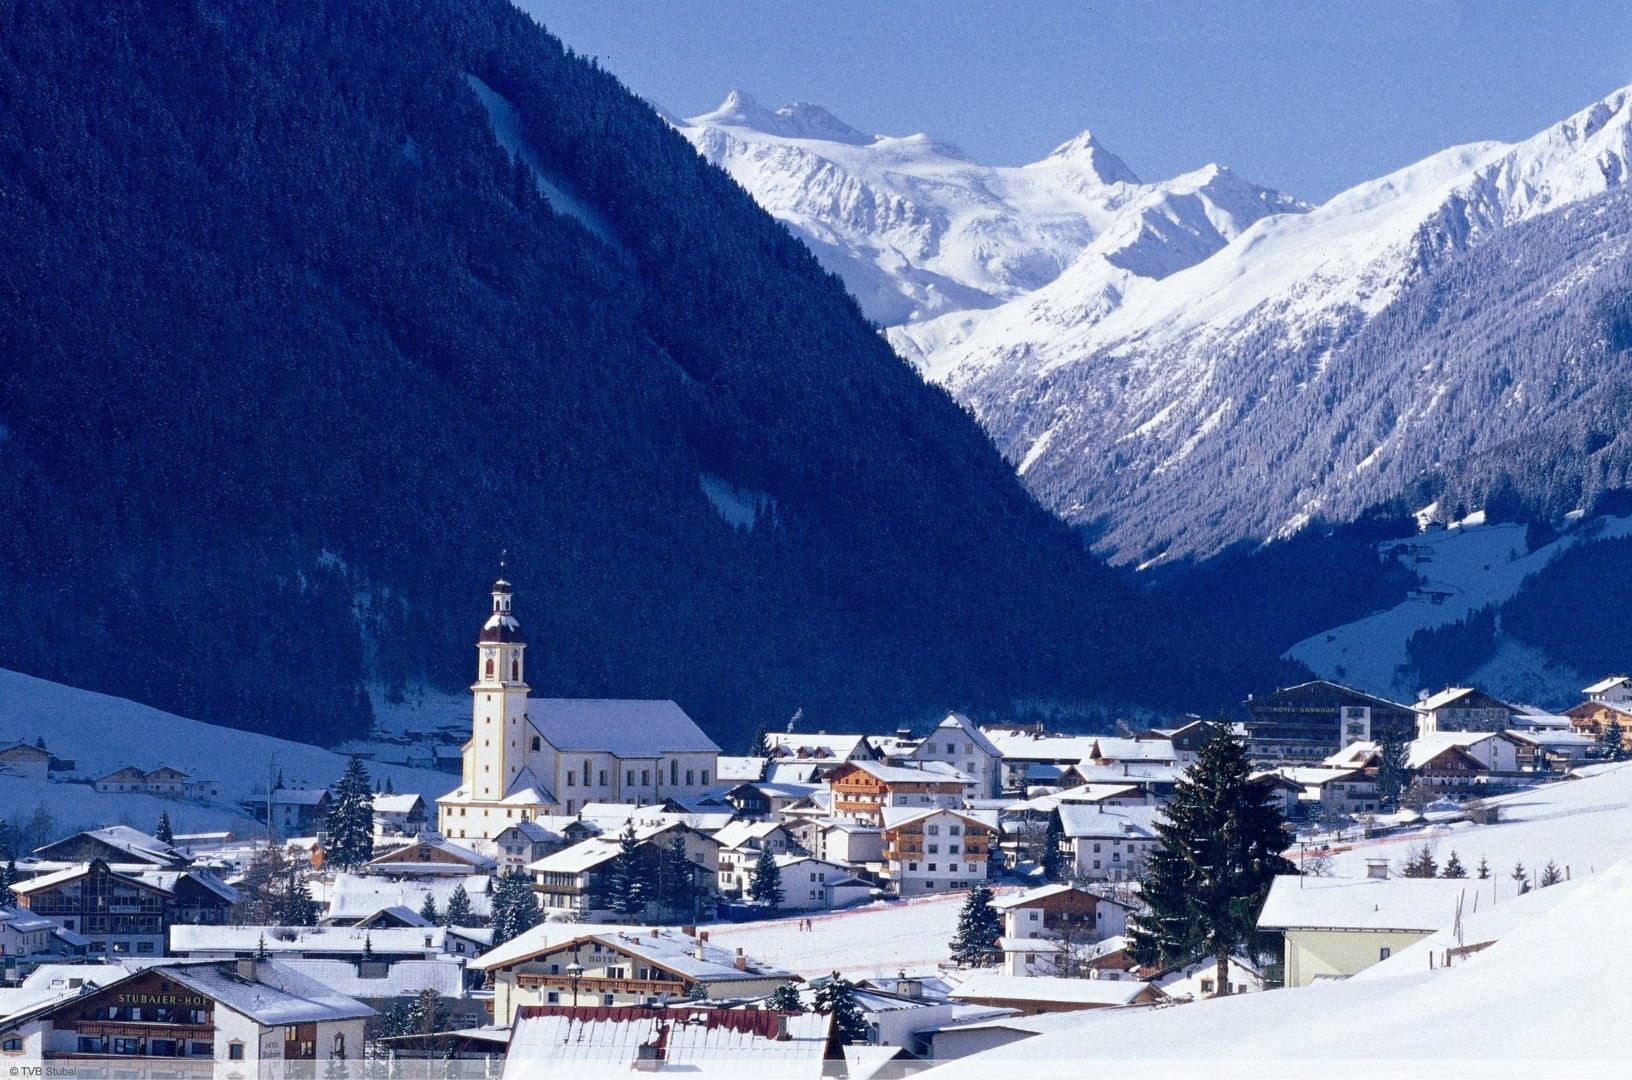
[
  {"x": 917, "y": 230},
  {"x": 1186, "y": 364}
]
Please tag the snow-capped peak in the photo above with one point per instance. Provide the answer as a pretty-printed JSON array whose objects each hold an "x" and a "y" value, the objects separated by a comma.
[
  {"x": 1087, "y": 154},
  {"x": 801, "y": 120}
]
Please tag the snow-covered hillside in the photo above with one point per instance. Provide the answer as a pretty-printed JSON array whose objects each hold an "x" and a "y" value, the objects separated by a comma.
[
  {"x": 916, "y": 229},
  {"x": 1463, "y": 569},
  {"x": 101, "y": 733}
]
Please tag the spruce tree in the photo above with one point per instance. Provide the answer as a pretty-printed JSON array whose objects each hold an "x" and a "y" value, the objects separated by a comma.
[
  {"x": 765, "y": 886},
  {"x": 351, "y": 819},
  {"x": 785, "y": 998},
  {"x": 760, "y": 744},
  {"x": 297, "y": 907},
  {"x": 1551, "y": 874},
  {"x": 1393, "y": 777},
  {"x": 676, "y": 884},
  {"x": 162, "y": 832},
  {"x": 8, "y": 876},
  {"x": 1221, "y": 844},
  {"x": 1454, "y": 868},
  {"x": 1483, "y": 870},
  {"x": 837, "y": 997},
  {"x": 627, "y": 885},
  {"x": 1522, "y": 877},
  {"x": 458, "y": 911},
  {"x": 1612, "y": 741},
  {"x": 427, "y": 910},
  {"x": 979, "y": 927},
  {"x": 515, "y": 906},
  {"x": 1422, "y": 864},
  {"x": 1054, "y": 853}
]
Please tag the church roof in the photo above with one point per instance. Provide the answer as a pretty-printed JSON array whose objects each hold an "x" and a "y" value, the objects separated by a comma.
[
  {"x": 624, "y": 727},
  {"x": 501, "y": 627}
]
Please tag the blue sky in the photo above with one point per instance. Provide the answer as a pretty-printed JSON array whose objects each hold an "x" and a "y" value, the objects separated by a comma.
[{"x": 1310, "y": 97}]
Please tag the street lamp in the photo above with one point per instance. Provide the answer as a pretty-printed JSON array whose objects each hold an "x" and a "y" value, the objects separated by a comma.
[{"x": 575, "y": 971}]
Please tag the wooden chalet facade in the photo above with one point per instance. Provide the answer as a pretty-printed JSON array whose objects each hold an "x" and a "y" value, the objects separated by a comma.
[{"x": 861, "y": 791}]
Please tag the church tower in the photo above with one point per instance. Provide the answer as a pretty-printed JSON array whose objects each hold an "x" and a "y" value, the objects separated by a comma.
[{"x": 499, "y": 720}]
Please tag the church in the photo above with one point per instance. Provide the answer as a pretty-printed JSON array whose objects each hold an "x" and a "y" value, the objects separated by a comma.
[{"x": 529, "y": 757}]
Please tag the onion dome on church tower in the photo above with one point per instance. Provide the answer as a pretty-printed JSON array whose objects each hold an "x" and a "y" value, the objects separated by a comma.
[{"x": 501, "y": 626}]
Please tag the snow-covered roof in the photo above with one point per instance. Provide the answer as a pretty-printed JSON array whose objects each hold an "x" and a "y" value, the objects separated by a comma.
[
  {"x": 994, "y": 985},
  {"x": 278, "y": 995},
  {"x": 738, "y": 833},
  {"x": 1316, "y": 775},
  {"x": 1018, "y": 746},
  {"x": 1604, "y": 686},
  {"x": 1033, "y": 896},
  {"x": 1425, "y": 904},
  {"x": 24, "y": 921},
  {"x": 584, "y": 855},
  {"x": 819, "y": 746},
  {"x": 404, "y": 978},
  {"x": 1080, "y": 821},
  {"x": 1423, "y": 749},
  {"x": 626, "y": 728},
  {"x": 1120, "y": 749},
  {"x": 299, "y": 796},
  {"x": 133, "y": 842},
  {"x": 665, "y": 947},
  {"x": 397, "y": 804},
  {"x": 1449, "y": 696},
  {"x": 959, "y": 722},
  {"x": 926, "y": 772},
  {"x": 733, "y": 768},
  {"x": 385, "y": 940},
  {"x": 896, "y": 816},
  {"x": 436, "y": 842},
  {"x": 607, "y": 1041},
  {"x": 526, "y": 789},
  {"x": 1082, "y": 793},
  {"x": 356, "y": 896}
]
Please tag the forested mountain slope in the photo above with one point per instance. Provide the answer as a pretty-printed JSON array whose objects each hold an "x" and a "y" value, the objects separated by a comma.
[{"x": 291, "y": 347}]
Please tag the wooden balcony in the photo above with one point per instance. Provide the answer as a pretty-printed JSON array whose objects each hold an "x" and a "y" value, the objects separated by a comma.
[{"x": 592, "y": 987}]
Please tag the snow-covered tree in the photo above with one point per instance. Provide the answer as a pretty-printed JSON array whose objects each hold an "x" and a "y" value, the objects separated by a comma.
[
  {"x": 1521, "y": 876},
  {"x": 458, "y": 911},
  {"x": 1612, "y": 741},
  {"x": 515, "y": 906},
  {"x": 675, "y": 881},
  {"x": 627, "y": 887},
  {"x": 1454, "y": 868},
  {"x": 1422, "y": 863},
  {"x": 765, "y": 886},
  {"x": 427, "y": 910},
  {"x": 1393, "y": 777},
  {"x": 979, "y": 927},
  {"x": 350, "y": 822},
  {"x": 785, "y": 998},
  {"x": 1482, "y": 872},
  {"x": 837, "y": 997},
  {"x": 1221, "y": 844},
  {"x": 297, "y": 907},
  {"x": 162, "y": 831},
  {"x": 1551, "y": 874},
  {"x": 1054, "y": 854}
]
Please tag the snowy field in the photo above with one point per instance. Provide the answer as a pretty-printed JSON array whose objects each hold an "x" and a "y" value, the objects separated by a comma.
[
  {"x": 1546, "y": 1000},
  {"x": 1474, "y": 566},
  {"x": 878, "y": 939},
  {"x": 101, "y": 733}
]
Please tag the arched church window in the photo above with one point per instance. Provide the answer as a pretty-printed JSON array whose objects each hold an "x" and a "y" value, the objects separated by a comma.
[
  {"x": 490, "y": 667},
  {"x": 515, "y": 668},
  {"x": 538, "y": 744}
]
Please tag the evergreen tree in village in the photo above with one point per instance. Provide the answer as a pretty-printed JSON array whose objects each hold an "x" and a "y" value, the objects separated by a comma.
[
  {"x": 627, "y": 881},
  {"x": 515, "y": 906},
  {"x": 1221, "y": 849},
  {"x": 351, "y": 819},
  {"x": 458, "y": 912},
  {"x": 765, "y": 886},
  {"x": 837, "y": 995},
  {"x": 979, "y": 927},
  {"x": 162, "y": 831}
]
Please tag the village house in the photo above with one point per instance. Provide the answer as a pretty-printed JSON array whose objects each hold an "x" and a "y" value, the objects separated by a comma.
[
  {"x": 1045, "y": 927},
  {"x": 812, "y": 884},
  {"x": 528, "y": 757},
  {"x": 125, "y": 913},
  {"x": 1335, "y": 792},
  {"x": 398, "y": 815},
  {"x": 24, "y": 936},
  {"x": 927, "y": 851},
  {"x": 1444, "y": 767},
  {"x": 163, "y": 782},
  {"x": 740, "y": 845},
  {"x": 118, "y": 844},
  {"x": 563, "y": 964},
  {"x": 382, "y": 944},
  {"x": 1461, "y": 708},
  {"x": 1337, "y": 927},
  {"x": 25, "y": 761},
  {"x": 528, "y": 841},
  {"x": 429, "y": 854},
  {"x": 574, "y": 880},
  {"x": 297, "y": 811},
  {"x": 1608, "y": 701},
  {"x": 819, "y": 751},
  {"x": 1106, "y": 844},
  {"x": 957, "y": 742},
  {"x": 863, "y": 790},
  {"x": 1554, "y": 752},
  {"x": 622, "y": 1041},
  {"x": 1199, "y": 979},
  {"x": 245, "y": 1018},
  {"x": 1313, "y": 720},
  {"x": 849, "y": 843}
]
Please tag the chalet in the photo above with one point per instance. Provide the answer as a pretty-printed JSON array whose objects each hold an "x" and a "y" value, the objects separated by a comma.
[
  {"x": 529, "y": 756},
  {"x": 1043, "y": 927},
  {"x": 1337, "y": 927},
  {"x": 1032, "y": 994},
  {"x": 1615, "y": 690},
  {"x": 846, "y": 842},
  {"x": 811, "y": 884},
  {"x": 740, "y": 845},
  {"x": 163, "y": 782},
  {"x": 621, "y": 1041},
  {"x": 563, "y": 963},
  {"x": 1020, "y": 750},
  {"x": 958, "y": 743},
  {"x": 1113, "y": 751},
  {"x": 821, "y": 750},
  {"x": 1310, "y": 721},
  {"x": 763, "y": 799},
  {"x": 28, "y": 762},
  {"x": 1461, "y": 708},
  {"x": 125, "y": 913},
  {"x": 862, "y": 790},
  {"x": 1199, "y": 979},
  {"x": 1444, "y": 766},
  {"x": 237, "y": 1019},
  {"x": 115, "y": 844},
  {"x": 1106, "y": 844},
  {"x": 299, "y": 811},
  {"x": 354, "y": 897},
  {"x": 936, "y": 850},
  {"x": 1335, "y": 791},
  {"x": 430, "y": 854},
  {"x": 528, "y": 841},
  {"x": 574, "y": 880},
  {"x": 398, "y": 815},
  {"x": 1551, "y": 751},
  {"x": 1590, "y": 718}
]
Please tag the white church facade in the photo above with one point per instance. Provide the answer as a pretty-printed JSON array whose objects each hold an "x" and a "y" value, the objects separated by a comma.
[{"x": 529, "y": 757}]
